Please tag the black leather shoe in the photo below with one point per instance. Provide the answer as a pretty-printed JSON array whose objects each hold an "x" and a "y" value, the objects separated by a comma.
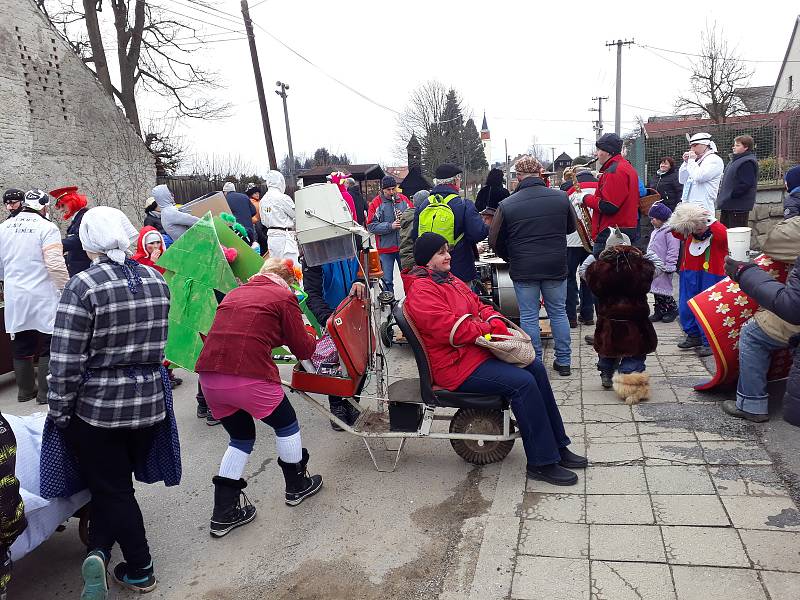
[
  {"x": 607, "y": 380},
  {"x": 563, "y": 370},
  {"x": 669, "y": 317},
  {"x": 573, "y": 324},
  {"x": 691, "y": 341},
  {"x": 554, "y": 474},
  {"x": 570, "y": 460},
  {"x": 583, "y": 321},
  {"x": 656, "y": 317},
  {"x": 589, "y": 339},
  {"x": 704, "y": 350}
]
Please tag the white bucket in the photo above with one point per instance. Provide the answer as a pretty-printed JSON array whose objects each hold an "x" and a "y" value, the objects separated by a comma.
[{"x": 739, "y": 242}]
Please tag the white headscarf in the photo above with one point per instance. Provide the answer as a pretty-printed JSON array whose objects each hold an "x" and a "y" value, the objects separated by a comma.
[{"x": 106, "y": 230}]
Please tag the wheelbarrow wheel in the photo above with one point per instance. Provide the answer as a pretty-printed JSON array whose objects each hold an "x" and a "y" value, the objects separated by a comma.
[
  {"x": 481, "y": 421},
  {"x": 387, "y": 333},
  {"x": 84, "y": 516}
]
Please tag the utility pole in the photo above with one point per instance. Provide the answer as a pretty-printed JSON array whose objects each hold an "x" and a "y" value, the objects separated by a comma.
[
  {"x": 553, "y": 166},
  {"x": 580, "y": 147},
  {"x": 618, "y": 100},
  {"x": 282, "y": 94},
  {"x": 598, "y": 125},
  {"x": 508, "y": 167},
  {"x": 262, "y": 100}
]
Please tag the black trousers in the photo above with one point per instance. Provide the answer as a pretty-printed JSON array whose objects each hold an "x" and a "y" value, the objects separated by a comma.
[
  {"x": 734, "y": 218},
  {"x": 578, "y": 291},
  {"x": 240, "y": 425},
  {"x": 30, "y": 343},
  {"x": 106, "y": 457}
]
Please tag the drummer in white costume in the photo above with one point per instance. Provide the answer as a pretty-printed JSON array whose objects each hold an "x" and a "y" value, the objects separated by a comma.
[
  {"x": 34, "y": 273},
  {"x": 277, "y": 214}
]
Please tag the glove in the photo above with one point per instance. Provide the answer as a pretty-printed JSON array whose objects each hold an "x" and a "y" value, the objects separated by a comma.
[
  {"x": 498, "y": 327},
  {"x": 734, "y": 268}
]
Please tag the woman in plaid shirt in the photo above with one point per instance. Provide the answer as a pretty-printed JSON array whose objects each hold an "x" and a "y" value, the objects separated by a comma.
[{"x": 107, "y": 395}]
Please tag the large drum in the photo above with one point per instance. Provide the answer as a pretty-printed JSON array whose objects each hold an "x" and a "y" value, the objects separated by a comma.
[{"x": 497, "y": 285}]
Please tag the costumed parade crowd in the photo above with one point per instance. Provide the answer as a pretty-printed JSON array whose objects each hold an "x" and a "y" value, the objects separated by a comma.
[{"x": 102, "y": 315}]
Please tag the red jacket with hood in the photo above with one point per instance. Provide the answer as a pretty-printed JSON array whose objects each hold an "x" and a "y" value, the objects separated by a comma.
[
  {"x": 141, "y": 255},
  {"x": 435, "y": 301},
  {"x": 616, "y": 201}
]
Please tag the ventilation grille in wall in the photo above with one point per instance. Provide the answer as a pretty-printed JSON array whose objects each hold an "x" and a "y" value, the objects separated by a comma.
[{"x": 42, "y": 77}]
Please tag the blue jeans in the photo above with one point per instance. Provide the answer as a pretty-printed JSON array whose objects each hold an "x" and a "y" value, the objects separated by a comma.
[
  {"x": 755, "y": 355},
  {"x": 554, "y": 292},
  {"x": 624, "y": 365},
  {"x": 531, "y": 397},
  {"x": 578, "y": 292},
  {"x": 387, "y": 264}
]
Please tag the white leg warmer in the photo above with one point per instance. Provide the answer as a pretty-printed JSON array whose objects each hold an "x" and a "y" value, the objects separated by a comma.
[
  {"x": 290, "y": 448},
  {"x": 233, "y": 463}
]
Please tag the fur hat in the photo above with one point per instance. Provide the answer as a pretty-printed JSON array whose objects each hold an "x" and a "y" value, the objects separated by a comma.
[
  {"x": 426, "y": 246},
  {"x": 689, "y": 217},
  {"x": 229, "y": 187},
  {"x": 529, "y": 165},
  {"x": 617, "y": 238},
  {"x": 660, "y": 211}
]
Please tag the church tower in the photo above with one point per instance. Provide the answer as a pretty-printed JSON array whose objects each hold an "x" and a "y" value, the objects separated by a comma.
[
  {"x": 486, "y": 140},
  {"x": 414, "y": 149}
]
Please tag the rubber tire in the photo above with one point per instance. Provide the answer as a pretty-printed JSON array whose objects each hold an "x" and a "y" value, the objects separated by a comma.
[
  {"x": 475, "y": 420},
  {"x": 387, "y": 333}
]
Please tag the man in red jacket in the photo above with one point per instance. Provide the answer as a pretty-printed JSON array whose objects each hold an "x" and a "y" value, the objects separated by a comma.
[{"x": 616, "y": 202}]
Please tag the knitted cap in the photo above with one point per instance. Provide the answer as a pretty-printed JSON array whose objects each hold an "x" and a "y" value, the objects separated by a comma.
[
  {"x": 610, "y": 142},
  {"x": 528, "y": 164},
  {"x": 660, "y": 211},
  {"x": 426, "y": 246},
  {"x": 388, "y": 182}
]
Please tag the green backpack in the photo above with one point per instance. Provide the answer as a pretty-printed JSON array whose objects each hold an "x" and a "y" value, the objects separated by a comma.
[{"x": 438, "y": 217}]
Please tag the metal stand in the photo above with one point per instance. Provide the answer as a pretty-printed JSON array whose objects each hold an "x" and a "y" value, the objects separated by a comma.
[{"x": 396, "y": 458}]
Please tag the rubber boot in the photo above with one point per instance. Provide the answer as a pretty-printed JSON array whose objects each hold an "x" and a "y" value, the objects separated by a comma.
[
  {"x": 229, "y": 510},
  {"x": 41, "y": 378},
  {"x": 299, "y": 485},
  {"x": 26, "y": 379}
]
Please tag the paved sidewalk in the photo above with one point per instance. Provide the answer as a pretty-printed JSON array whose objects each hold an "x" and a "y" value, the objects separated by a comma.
[{"x": 680, "y": 501}]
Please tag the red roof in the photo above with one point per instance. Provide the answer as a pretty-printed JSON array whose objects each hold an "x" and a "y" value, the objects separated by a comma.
[{"x": 679, "y": 126}]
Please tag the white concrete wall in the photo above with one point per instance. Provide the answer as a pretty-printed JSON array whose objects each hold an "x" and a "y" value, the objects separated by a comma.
[{"x": 57, "y": 125}]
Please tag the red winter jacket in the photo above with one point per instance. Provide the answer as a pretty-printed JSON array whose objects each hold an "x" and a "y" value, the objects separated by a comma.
[
  {"x": 141, "y": 255},
  {"x": 616, "y": 201},
  {"x": 717, "y": 251},
  {"x": 434, "y": 308},
  {"x": 252, "y": 320}
]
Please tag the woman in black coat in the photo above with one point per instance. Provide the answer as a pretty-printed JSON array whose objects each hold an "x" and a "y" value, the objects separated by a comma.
[
  {"x": 493, "y": 192},
  {"x": 665, "y": 182}
]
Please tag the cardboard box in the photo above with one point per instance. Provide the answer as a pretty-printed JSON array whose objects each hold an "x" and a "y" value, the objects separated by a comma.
[{"x": 215, "y": 203}]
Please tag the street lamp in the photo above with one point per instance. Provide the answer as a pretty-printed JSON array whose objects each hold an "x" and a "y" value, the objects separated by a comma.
[{"x": 282, "y": 93}]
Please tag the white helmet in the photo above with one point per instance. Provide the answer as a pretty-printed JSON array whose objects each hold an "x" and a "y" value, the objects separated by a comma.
[{"x": 37, "y": 199}]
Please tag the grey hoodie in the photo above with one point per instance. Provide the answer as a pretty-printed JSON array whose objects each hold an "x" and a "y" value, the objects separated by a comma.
[{"x": 175, "y": 222}]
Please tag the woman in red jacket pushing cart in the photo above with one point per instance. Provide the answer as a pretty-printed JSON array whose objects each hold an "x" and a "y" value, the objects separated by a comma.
[
  {"x": 435, "y": 301},
  {"x": 241, "y": 383}
]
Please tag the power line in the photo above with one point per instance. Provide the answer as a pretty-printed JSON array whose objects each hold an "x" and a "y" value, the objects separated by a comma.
[{"x": 750, "y": 60}]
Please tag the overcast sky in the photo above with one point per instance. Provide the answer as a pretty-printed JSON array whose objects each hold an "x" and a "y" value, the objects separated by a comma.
[{"x": 534, "y": 69}]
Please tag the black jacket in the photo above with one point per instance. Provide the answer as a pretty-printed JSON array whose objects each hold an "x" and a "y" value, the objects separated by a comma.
[
  {"x": 737, "y": 190},
  {"x": 359, "y": 202},
  {"x": 153, "y": 219},
  {"x": 75, "y": 256},
  {"x": 243, "y": 210},
  {"x": 784, "y": 301},
  {"x": 668, "y": 186},
  {"x": 529, "y": 231},
  {"x": 490, "y": 196}
]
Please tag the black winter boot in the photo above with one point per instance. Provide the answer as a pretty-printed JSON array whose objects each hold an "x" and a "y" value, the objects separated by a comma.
[
  {"x": 299, "y": 485},
  {"x": 656, "y": 316},
  {"x": 606, "y": 379},
  {"x": 229, "y": 510},
  {"x": 41, "y": 378},
  {"x": 26, "y": 379}
]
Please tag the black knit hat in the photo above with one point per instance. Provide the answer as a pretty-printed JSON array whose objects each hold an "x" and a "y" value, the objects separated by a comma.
[
  {"x": 388, "y": 182},
  {"x": 610, "y": 142},
  {"x": 426, "y": 246}
]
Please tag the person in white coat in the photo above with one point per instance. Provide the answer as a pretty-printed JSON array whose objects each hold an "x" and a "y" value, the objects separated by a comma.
[
  {"x": 277, "y": 214},
  {"x": 701, "y": 172},
  {"x": 34, "y": 274}
]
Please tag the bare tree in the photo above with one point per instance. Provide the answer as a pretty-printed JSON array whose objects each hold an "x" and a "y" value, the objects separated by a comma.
[
  {"x": 167, "y": 149},
  {"x": 151, "y": 52},
  {"x": 716, "y": 74},
  {"x": 539, "y": 152}
]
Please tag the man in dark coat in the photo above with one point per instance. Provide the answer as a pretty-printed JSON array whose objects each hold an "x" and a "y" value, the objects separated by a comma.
[
  {"x": 783, "y": 301},
  {"x": 241, "y": 207},
  {"x": 737, "y": 192},
  {"x": 491, "y": 194},
  {"x": 529, "y": 231},
  {"x": 354, "y": 189},
  {"x": 666, "y": 183}
]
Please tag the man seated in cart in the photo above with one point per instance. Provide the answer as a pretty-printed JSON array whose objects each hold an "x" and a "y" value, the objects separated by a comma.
[{"x": 437, "y": 302}]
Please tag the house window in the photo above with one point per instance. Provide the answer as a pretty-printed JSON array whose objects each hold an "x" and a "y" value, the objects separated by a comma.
[{"x": 790, "y": 83}]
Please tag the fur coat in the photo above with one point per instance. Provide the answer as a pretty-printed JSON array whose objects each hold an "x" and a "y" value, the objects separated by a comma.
[{"x": 620, "y": 280}]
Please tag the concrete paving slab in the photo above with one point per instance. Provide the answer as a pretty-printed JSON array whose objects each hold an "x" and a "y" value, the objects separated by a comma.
[
  {"x": 689, "y": 509},
  {"x": 684, "y": 479},
  {"x": 781, "y": 586},
  {"x": 627, "y": 479},
  {"x": 606, "y": 452},
  {"x": 689, "y": 453},
  {"x": 715, "y": 583},
  {"x": 621, "y": 510},
  {"x": 551, "y": 538},
  {"x": 612, "y": 413},
  {"x": 749, "y": 512},
  {"x": 612, "y": 432},
  {"x": 773, "y": 550},
  {"x": 637, "y": 543},
  {"x": 567, "y": 508},
  {"x": 631, "y": 581},
  {"x": 538, "y": 577},
  {"x": 733, "y": 480},
  {"x": 711, "y": 546},
  {"x": 734, "y": 453}
]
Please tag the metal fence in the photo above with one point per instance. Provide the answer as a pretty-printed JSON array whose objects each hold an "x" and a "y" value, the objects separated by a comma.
[{"x": 776, "y": 136}]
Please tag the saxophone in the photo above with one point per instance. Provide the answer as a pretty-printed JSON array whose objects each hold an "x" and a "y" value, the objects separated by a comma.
[{"x": 583, "y": 216}]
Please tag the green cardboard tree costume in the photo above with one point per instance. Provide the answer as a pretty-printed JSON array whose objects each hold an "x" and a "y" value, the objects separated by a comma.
[{"x": 196, "y": 267}]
